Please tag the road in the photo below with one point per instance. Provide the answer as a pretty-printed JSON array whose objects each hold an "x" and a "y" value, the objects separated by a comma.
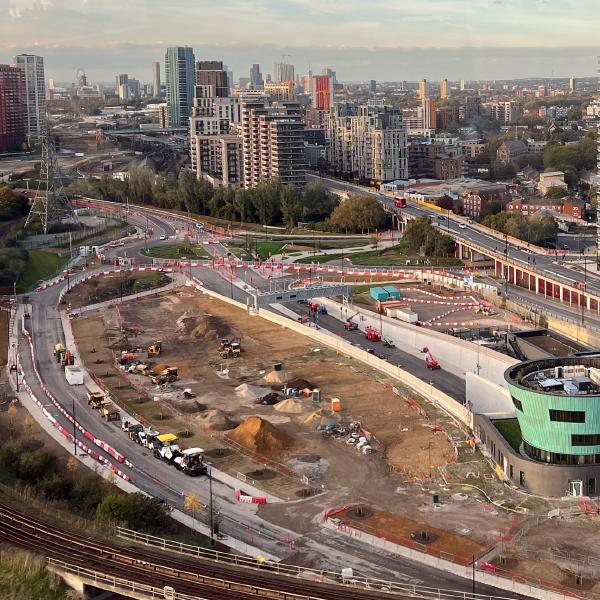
[
  {"x": 162, "y": 481},
  {"x": 493, "y": 245}
]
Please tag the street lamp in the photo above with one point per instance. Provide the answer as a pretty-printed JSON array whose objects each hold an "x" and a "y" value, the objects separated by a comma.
[{"x": 212, "y": 520}]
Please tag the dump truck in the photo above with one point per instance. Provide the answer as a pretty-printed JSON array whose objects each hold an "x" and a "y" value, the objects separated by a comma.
[
  {"x": 166, "y": 448},
  {"x": 191, "y": 462},
  {"x": 155, "y": 349},
  {"x": 110, "y": 412},
  {"x": 96, "y": 399}
]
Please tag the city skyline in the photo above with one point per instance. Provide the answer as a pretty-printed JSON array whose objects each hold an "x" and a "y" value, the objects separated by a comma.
[{"x": 391, "y": 41}]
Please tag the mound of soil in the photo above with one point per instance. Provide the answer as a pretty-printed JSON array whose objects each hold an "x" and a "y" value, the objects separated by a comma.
[
  {"x": 290, "y": 406},
  {"x": 202, "y": 326},
  {"x": 249, "y": 392},
  {"x": 275, "y": 377},
  {"x": 261, "y": 437},
  {"x": 216, "y": 420},
  {"x": 300, "y": 384},
  {"x": 188, "y": 405},
  {"x": 268, "y": 399}
]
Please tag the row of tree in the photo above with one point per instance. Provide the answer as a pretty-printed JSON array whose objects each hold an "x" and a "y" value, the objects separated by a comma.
[
  {"x": 421, "y": 237},
  {"x": 537, "y": 229},
  {"x": 28, "y": 464},
  {"x": 267, "y": 204}
]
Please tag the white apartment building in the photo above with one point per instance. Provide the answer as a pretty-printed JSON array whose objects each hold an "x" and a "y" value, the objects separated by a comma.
[
  {"x": 505, "y": 112},
  {"x": 367, "y": 141},
  {"x": 215, "y": 141},
  {"x": 35, "y": 91}
]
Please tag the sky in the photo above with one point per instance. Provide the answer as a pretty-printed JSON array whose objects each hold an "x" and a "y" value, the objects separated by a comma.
[{"x": 386, "y": 40}]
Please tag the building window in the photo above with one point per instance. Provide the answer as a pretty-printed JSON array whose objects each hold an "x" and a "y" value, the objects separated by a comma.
[
  {"x": 510, "y": 470},
  {"x": 517, "y": 404},
  {"x": 567, "y": 416},
  {"x": 587, "y": 439},
  {"x": 521, "y": 478}
]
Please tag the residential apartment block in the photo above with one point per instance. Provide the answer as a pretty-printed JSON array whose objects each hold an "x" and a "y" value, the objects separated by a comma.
[
  {"x": 272, "y": 142},
  {"x": 367, "y": 141},
  {"x": 35, "y": 92},
  {"x": 180, "y": 81},
  {"x": 13, "y": 108}
]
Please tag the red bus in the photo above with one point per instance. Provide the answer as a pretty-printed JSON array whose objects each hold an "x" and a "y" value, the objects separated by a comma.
[{"x": 399, "y": 202}]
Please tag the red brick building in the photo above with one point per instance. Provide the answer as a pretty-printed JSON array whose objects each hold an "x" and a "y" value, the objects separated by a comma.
[
  {"x": 477, "y": 198},
  {"x": 13, "y": 109}
]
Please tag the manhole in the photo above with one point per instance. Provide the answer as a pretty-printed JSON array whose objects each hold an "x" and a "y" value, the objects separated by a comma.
[
  {"x": 309, "y": 458},
  {"x": 261, "y": 474},
  {"x": 185, "y": 434},
  {"x": 306, "y": 492},
  {"x": 215, "y": 452},
  {"x": 360, "y": 512},
  {"x": 423, "y": 537}
]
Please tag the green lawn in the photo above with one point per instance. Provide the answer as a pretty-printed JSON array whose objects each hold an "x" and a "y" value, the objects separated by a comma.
[
  {"x": 176, "y": 251},
  {"x": 511, "y": 431},
  {"x": 396, "y": 255},
  {"x": 264, "y": 248},
  {"x": 40, "y": 265}
]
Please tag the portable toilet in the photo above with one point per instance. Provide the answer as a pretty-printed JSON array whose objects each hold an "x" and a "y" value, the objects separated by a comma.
[
  {"x": 336, "y": 405},
  {"x": 316, "y": 395}
]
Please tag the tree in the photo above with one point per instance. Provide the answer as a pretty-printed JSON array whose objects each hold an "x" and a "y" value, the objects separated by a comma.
[
  {"x": 358, "y": 213},
  {"x": 491, "y": 208},
  {"x": 421, "y": 237},
  {"x": 291, "y": 206},
  {"x": 12, "y": 205},
  {"x": 141, "y": 180},
  {"x": 265, "y": 200},
  {"x": 192, "y": 504},
  {"x": 446, "y": 202},
  {"x": 318, "y": 202},
  {"x": 28, "y": 424},
  {"x": 136, "y": 511},
  {"x": 556, "y": 193}
]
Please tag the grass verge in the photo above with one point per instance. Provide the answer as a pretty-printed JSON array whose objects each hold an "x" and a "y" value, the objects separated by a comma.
[
  {"x": 41, "y": 264},
  {"x": 176, "y": 251},
  {"x": 511, "y": 431}
]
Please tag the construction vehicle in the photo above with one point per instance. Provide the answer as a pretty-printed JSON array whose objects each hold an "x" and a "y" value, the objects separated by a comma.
[
  {"x": 167, "y": 375},
  {"x": 155, "y": 349},
  {"x": 372, "y": 334},
  {"x": 388, "y": 343},
  {"x": 312, "y": 305},
  {"x": 58, "y": 350},
  {"x": 233, "y": 350},
  {"x": 96, "y": 399},
  {"x": 127, "y": 356},
  {"x": 349, "y": 324},
  {"x": 165, "y": 447},
  {"x": 110, "y": 412},
  {"x": 430, "y": 360},
  {"x": 147, "y": 437},
  {"x": 133, "y": 430},
  {"x": 191, "y": 462}
]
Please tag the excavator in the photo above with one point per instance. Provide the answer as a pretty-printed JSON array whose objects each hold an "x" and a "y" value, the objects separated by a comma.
[
  {"x": 154, "y": 349},
  {"x": 430, "y": 360}
]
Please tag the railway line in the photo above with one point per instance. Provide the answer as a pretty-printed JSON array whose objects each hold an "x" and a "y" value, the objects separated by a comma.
[{"x": 193, "y": 577}]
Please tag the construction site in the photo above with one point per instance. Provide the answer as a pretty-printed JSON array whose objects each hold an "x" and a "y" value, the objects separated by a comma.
[{"x": 321, "y": 432}]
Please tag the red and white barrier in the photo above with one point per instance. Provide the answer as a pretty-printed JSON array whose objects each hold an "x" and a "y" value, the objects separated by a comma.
[{"x": 249, "y": 499}]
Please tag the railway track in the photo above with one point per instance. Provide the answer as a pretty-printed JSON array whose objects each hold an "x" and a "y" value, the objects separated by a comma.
[{"x": 196, "y": 578}]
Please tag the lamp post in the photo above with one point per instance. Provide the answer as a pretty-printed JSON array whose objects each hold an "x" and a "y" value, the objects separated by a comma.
[
  {"x": 212, "y": 520},
  {"x": 74, "y": 428}
]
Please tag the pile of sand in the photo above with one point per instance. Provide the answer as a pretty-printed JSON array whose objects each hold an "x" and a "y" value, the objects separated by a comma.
[
  {"x": 290, "y": 405},
  {"x": 215, "y": 420},
  {"x": 202, "y": 326},
  {"x": 249, "y": 392},
  {"x": 261, "y": 437},
  {"x": 276, "y": 377}
]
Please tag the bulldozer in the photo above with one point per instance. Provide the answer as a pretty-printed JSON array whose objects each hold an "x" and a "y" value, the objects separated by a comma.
[
  {"x": 167, "y": 375},
  {"x": 154, "y": 349},
  {"x": 231, "y": 350}
]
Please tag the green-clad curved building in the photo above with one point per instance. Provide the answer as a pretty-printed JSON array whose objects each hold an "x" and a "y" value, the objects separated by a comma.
[{"x": 557, "y": 405}]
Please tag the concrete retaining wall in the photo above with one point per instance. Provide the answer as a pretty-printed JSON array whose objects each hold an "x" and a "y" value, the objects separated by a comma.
[{"x": 484, "y": 396}]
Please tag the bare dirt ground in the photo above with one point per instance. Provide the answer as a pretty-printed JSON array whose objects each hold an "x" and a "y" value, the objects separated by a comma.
[
  {"x": 190, "y": 326},
  {"x": 409, "y": 532},
  {"x": 109, "y": 287}
]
